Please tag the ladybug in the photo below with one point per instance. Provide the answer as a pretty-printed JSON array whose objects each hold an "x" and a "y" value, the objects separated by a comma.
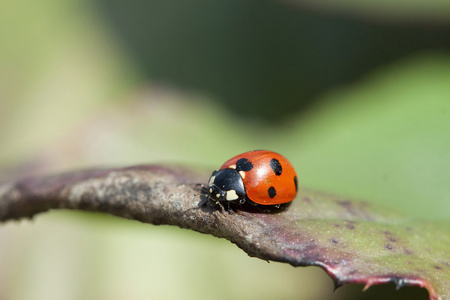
[{"x": 258, "y": 177}]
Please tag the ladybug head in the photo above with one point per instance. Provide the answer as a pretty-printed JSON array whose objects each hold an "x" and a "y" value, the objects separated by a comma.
[
  {"x": 226, "y": 185},
  {"x": 217, "y": 193}
]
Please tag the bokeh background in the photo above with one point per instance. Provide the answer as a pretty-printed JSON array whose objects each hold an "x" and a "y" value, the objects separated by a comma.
[{"x": 356, "y": 94}]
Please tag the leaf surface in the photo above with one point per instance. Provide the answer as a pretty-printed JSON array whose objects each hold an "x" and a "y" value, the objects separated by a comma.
[{"x": 353, "y": 241}]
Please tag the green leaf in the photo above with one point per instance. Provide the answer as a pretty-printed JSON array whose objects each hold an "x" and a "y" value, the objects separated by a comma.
[{"x": 357, "y": 242}]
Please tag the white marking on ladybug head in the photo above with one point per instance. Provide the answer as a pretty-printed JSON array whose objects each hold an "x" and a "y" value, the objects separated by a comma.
[
  {"x": 231, "y": 195},
  {"x": 210, "y": 190},
  {"x": 217, "y": 195},
  {"x": 242, "y": 173},
  {"x": 232, "y": 167},
  {"x": 211, "y": 180}
]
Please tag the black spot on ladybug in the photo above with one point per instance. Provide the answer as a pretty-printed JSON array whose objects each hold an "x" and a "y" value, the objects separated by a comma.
[
  {"x": 276, "y": 166},
  {"x": 272, "y": 192},
  {"x": 243, "y": 164},
  {"x": 296, "y": 183}
]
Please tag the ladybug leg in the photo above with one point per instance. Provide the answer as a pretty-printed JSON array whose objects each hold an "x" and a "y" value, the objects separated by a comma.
[
  {"x": 204, "y": 201},
  {"x": 204, "y": 195},
  {"x": 221, "y": 206},
  {"x": 230, "y": 210},
  {"x": 263, "y": 209},
  {"x": 214, "y": 204},
  {"x": 268, "y": 208},
  {"x": 217, "y": 203}
]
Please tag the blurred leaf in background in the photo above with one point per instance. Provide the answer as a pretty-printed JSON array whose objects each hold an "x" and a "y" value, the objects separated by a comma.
[
  {"x": 58, "y": 68},
  {"x": 265, "y": 60},
  {"x": 357, "y": 99}
]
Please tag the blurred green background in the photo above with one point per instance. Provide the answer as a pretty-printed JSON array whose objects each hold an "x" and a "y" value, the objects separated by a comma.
[{"x": 356, "y": 95}]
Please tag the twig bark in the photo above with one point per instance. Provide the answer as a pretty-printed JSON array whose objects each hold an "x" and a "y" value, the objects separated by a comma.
[{"x": 318, "y": 230}]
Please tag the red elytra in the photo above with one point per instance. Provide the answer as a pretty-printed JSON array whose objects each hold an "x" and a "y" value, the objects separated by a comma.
[{"x": 271, "y": 181}]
